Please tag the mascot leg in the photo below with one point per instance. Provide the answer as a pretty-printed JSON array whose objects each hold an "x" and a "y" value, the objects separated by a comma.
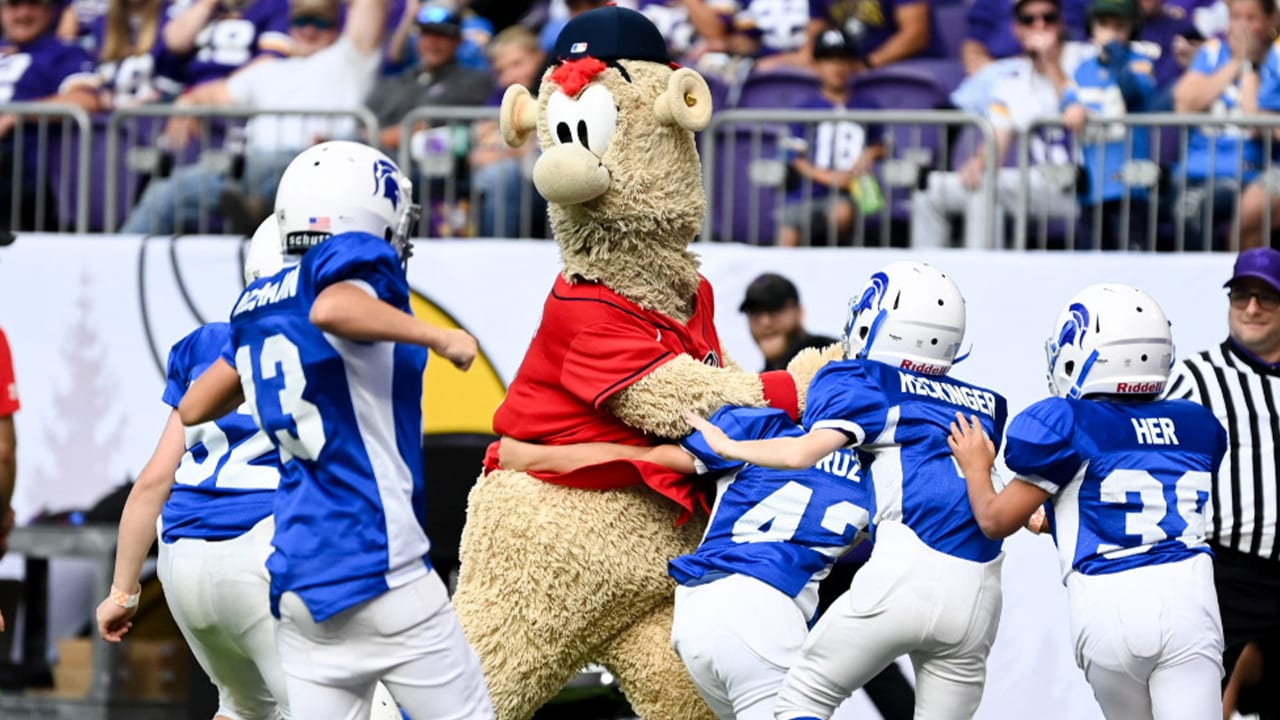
[
  {"x": 550, "y": 572},
  {"x": 652, "y": 675}
]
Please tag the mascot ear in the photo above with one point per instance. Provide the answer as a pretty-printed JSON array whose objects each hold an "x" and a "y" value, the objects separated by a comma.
[
  {"x": 686, "y": 102},
  {"x": 519, "y": 115}
]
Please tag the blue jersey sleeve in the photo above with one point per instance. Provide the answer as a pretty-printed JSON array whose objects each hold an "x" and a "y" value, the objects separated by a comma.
[
  {"x": 739, "y": 423},
  {"x": 362, "y": 258},
  {"x": 847, "y": 396},
  {"x": 1039, "y": 448},
  {"x": 1205, "y": 60},
  {"x": 191, "y": 356},
  {"x": 1269, "y": 87}
]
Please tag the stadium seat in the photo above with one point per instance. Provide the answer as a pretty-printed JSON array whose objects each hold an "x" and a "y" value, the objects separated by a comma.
[
  {"x": 781, "y": 88},
  {"x": 951, "y": 25},
  {"x": 747, "y": 183}
]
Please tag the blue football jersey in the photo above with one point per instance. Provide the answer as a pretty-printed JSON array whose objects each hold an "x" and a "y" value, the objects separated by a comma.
[
  {"x": 1129, "y": 480},
  {"x": 227, "y": 479},
  {"x": 900, "y": 420},
  {"x": 347, "y": 419},
  {"x": 782, "y": 527}
]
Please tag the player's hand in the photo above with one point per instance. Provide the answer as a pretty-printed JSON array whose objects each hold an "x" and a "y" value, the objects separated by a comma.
[
  {"x": 716, "y": 439},
  {"x": 974, "y": 451},
  {"x": 1038, "y": 522},
  {"x": 114, "y": 621},
  {"x": 459, "y": 348}
]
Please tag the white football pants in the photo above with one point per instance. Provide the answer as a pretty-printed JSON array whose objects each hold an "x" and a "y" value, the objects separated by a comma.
[
  {"x": 409, "y": 637},
  {"x": 737, "y": 635},
  {"x": 1150, "y": 640},
  {"x": 909, "y": 599},
  {"x": 219, "y": 594}
]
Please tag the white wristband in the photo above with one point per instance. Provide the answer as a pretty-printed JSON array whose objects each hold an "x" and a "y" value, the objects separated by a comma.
[{"x": 124, "y": 599}]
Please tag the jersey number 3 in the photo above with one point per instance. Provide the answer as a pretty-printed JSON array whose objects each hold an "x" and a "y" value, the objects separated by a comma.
[
  {"x": 1190, "y": 492},
  {"x": 280, "y": 358}
]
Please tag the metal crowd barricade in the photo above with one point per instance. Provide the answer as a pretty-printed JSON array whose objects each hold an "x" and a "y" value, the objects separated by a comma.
[
  {"x": 747, "y": 191},
  {"x": 45, "y": 158},
  {"x": 467, "y": 180},
  {"x": 228, "y": 166},
  {"x": 1158, "y": 196}
]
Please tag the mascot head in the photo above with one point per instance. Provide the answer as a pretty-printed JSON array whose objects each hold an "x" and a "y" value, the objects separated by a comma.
[{"x": 616, "y": 122}]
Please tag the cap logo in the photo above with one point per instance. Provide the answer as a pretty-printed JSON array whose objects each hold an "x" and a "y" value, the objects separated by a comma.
[{"x": 578, "y": 47}]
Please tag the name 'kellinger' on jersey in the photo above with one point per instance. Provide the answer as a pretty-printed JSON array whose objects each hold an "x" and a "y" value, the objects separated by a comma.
[{"x": 976, "y": 399}]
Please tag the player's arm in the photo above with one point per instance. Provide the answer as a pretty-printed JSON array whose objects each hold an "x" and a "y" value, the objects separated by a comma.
[
  {"x": 530, "y": 457},
  {"x": 789, "y": 453},
  {"x": 998, "y": 514},
  {"x": 215, "y": 393},
  {"x": 347, "y": 310},
  {"x": 138, "y": 530}
]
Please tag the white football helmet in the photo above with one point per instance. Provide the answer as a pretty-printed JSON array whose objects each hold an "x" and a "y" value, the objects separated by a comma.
[
  {"x": 1111, "y": 339},
  {"x": 909, "y": 315},
  {"x": 263, "y": 257},
  {"x": 341, "y": 186}
]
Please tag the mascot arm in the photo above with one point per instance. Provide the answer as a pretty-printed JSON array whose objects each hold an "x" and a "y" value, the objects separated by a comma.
[{"x": 657, "y": 402}]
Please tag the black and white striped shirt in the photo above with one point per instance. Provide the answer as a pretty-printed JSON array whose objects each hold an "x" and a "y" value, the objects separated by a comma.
[{"x": 1244, "y": 394}]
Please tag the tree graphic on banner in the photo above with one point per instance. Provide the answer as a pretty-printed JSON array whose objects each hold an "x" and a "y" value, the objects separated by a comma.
[{"x": 85, "y": 437}]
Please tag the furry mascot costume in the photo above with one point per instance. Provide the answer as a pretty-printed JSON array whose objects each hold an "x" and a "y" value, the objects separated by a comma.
[{"x": 562, "y": 570}]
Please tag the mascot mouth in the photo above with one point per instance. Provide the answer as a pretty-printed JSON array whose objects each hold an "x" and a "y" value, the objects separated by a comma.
[{"x": 570, "y": 174}]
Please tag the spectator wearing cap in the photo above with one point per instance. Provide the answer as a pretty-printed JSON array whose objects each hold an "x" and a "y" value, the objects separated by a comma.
[
  {"x": 438, "y": 80},
  {"x": 401, "y": 50},
  {"x": 1223, "y": 81},
  {"x": 35, "y": 66},
  {"x": 331, "y": 69},
  {"x": 1032, "y": 88},
  {"x": 1240, "y": 382},
  {"x": 776, "y": 320},
  {"x": 1117, "y": 81},
  {"x": 832, "y": 155},
  {"x": 885, "y": 31}
]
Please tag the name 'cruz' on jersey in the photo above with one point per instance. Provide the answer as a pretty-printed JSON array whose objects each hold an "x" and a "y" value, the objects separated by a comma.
[{"x": 975, "y": 399}]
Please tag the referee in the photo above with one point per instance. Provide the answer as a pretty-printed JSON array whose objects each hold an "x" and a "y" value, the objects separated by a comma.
[{"x": 1240, "y": 382}]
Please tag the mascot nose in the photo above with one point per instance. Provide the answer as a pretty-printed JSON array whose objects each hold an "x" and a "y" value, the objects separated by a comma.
[{"x": 570, "y": 174}]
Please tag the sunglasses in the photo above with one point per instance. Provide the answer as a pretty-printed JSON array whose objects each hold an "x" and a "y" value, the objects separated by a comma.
[
  {"x": 318, "y": 23},
  {"x": 1240, "y": 298},
  {"x": 1049, "y": 18}
]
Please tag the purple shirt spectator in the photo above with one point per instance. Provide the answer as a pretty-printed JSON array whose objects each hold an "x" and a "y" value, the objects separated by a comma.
[
  {"x": 141, "y": 78},
  {"x": 779, "y": 25},
  {"x": 832, "y": 144},
  {"x": 231, "y": 40},
  {"x": 43, "y": 67},
  {"x": 991, "y": 25},
  {"x": 870, "y": 22},
  {"x": 1155, "y": 39}
]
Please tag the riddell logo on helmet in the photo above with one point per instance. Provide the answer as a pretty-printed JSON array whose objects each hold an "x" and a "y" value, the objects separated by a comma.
[
  {"x": 923, "y": 368},
  {"x": 1139, "y": 388}
]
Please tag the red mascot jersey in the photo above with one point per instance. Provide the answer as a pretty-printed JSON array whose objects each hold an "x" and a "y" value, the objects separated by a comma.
[
  {"x": 8, "y": 387},
  {"x": 593, "y": 343}
]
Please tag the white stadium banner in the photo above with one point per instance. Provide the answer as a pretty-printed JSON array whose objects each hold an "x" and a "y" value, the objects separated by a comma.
[{"x": 90, "y": 321}]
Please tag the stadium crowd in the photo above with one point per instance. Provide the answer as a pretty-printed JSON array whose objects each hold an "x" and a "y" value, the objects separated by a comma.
[{"x": 1081, "y": 65}]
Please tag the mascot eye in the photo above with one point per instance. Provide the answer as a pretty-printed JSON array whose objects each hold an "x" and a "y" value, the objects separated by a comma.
[{"x": 588, "y": 120}]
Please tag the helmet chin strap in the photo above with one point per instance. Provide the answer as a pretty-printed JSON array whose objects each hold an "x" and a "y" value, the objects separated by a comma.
[
  {"x": 1077, "y": 386},
  {"x": 962, "y": 357}
]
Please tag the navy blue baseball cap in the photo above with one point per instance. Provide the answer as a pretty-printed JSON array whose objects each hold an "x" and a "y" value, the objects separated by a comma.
[{"x": 611, "y": 33}]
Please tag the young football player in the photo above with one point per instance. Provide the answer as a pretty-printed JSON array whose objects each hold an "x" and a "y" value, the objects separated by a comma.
[
  {"x": 932, "y": 586},
  {"x": 213, "y": 489},
  {"x": 330, "y": 360},
  {"x": 1128, "y": 476},
  {"x": 747, "y": 595}
]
